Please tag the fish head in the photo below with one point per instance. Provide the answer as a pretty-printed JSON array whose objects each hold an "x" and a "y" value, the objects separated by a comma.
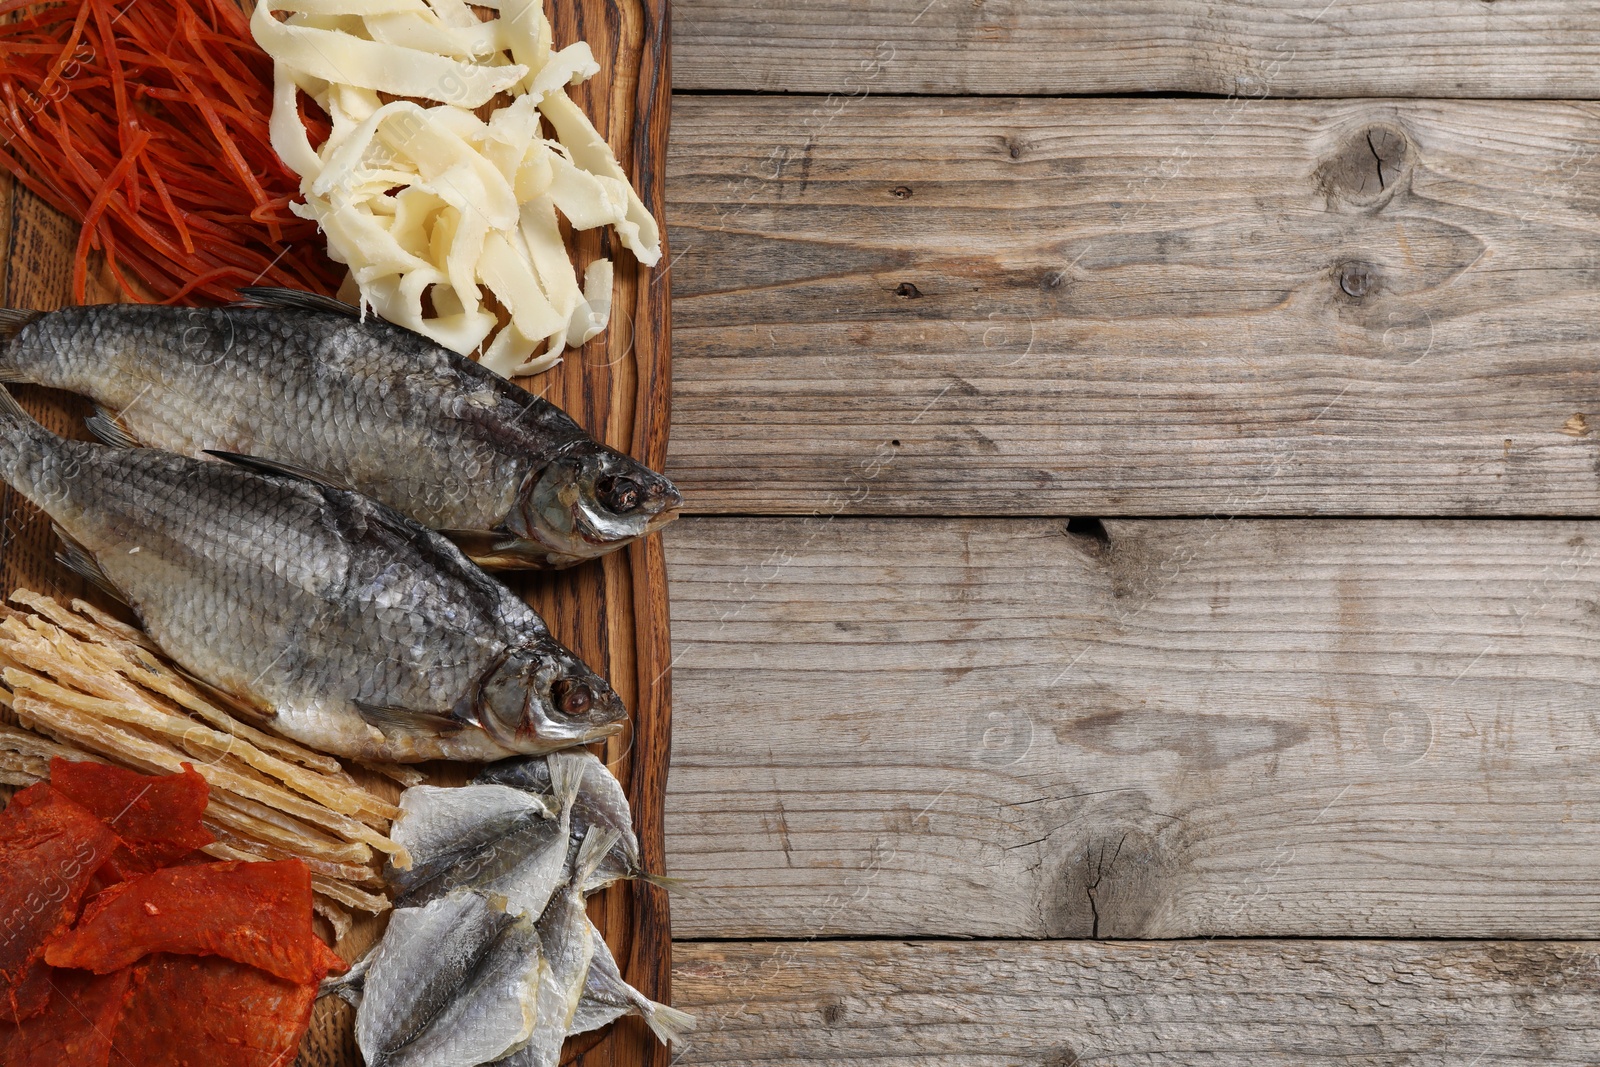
[
  {"x": 541, "y": 697},
  {"x": 589, "y": 500}
]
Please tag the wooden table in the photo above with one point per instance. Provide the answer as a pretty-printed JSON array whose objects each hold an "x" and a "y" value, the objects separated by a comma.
[{"x": 1142, "y": 599}]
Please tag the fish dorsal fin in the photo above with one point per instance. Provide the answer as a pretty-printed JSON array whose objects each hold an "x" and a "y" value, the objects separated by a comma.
[
  {"x": 12, "y": 320},
  {"x": 406, "y": 721},
  {"x": 81, "y": 561},
  {"x": 270, "y": 296},
  {"x": 278, "y": 467},
  {"x": 109, "y": 429}
]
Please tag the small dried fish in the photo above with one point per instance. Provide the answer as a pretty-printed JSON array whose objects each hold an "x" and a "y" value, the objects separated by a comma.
[
  {"x": 490, "y": 1012},
  {"x": 607, "y": 997},
  {"x": 454, "y": 983},
  {"x": 600, "y": 804},
  {"x": 475, "y": 836},
  {"x": 567, "y": 939},
  {"x": 471, "y": 956}
]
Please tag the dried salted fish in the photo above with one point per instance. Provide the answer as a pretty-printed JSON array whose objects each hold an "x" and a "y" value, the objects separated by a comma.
[
  {"x": 363, "y": 633},
  {"x": 308, "y": 383}
]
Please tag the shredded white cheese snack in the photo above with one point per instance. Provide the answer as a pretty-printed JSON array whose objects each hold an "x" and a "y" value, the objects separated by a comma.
[{"x": 422, "y": 198}]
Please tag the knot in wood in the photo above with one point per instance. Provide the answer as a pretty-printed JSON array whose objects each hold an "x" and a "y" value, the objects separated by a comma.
[
  {"x": 1356, "y": 279},
  {"x": 1368, "y": 167}
]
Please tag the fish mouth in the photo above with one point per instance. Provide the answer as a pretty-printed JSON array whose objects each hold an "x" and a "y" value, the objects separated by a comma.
[
  {"x": 545, "y": 733},
  {"x": 592, "y": 537},
  {"x": 657, "y": 522},
  {"x": 591, "y": 734},
  {"x": 670, "y": 507}
]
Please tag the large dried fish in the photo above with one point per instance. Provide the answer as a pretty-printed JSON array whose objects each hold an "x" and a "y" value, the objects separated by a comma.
[
  {"x": 307, "y": 382},
  {"x": 358, "y": 631}
]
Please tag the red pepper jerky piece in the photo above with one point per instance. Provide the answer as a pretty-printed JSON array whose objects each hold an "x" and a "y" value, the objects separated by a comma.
[
  {"x": 253, "y": 913},
  {"x": 30, "y": 997},
  {"x": 77, "y": 1025},
  {"x": 205, "y": 1011},
  {"x": 156, "y": 816},
  {"x": 50, "y": 847},
  {"x": 325, "y": 960}
]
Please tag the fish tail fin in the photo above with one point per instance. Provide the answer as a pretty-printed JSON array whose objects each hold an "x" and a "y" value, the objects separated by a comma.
[
  {"x": 681, "y": 886},
  {"x": 667, "y": 1023},
  {"x": 12, "y": 320},
  {"x": 596, "y": 843},
  {"x": 566, "y": 778},
  {"x": 351, "y": 984},
  {"x": 37, "y": 463},
  {"x": 18, "y": 430}
]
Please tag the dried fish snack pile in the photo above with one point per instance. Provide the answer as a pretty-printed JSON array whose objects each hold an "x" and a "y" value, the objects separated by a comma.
[
  {"x": 507, "y": 475},
  {"x": 122, "y": 944},
  {"x": 83, "y": 686},
  {"x": 422, "y": 197},
  {"x": 489, "y": 957}
]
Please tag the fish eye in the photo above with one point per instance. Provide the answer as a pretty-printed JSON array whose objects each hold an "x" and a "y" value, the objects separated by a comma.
[
  {"x": 619, "y": 495},
  {"x": 573, "y": 698}
]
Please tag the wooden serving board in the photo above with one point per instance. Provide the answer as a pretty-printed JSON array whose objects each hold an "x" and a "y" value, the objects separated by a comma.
[{"x": 613, "y": 614}]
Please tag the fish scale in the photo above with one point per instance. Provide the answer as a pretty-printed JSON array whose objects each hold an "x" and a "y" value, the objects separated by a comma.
[{"x": 313, "y": 602}]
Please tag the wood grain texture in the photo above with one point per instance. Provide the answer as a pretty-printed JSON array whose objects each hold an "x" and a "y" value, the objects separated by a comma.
[
  {"x": 1245, "y": 48},
  {"x": 1167, "y": 307},
  {"x": 1182, "y": 1004},
  {"x": 619, "y": 388},
  {"x": 37, "y": 273},
  {"x": 614, "y": 615},
  {"x": 1000, "y": 728}
]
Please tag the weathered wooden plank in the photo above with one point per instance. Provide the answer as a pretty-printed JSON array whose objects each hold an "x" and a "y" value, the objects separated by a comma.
[
  {"x": 1136, "y": 307},
  {"x": 1243, "y": 48},
  {"x": 996, "y": 728},
  {"x": 1184, "y": 1004}
]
